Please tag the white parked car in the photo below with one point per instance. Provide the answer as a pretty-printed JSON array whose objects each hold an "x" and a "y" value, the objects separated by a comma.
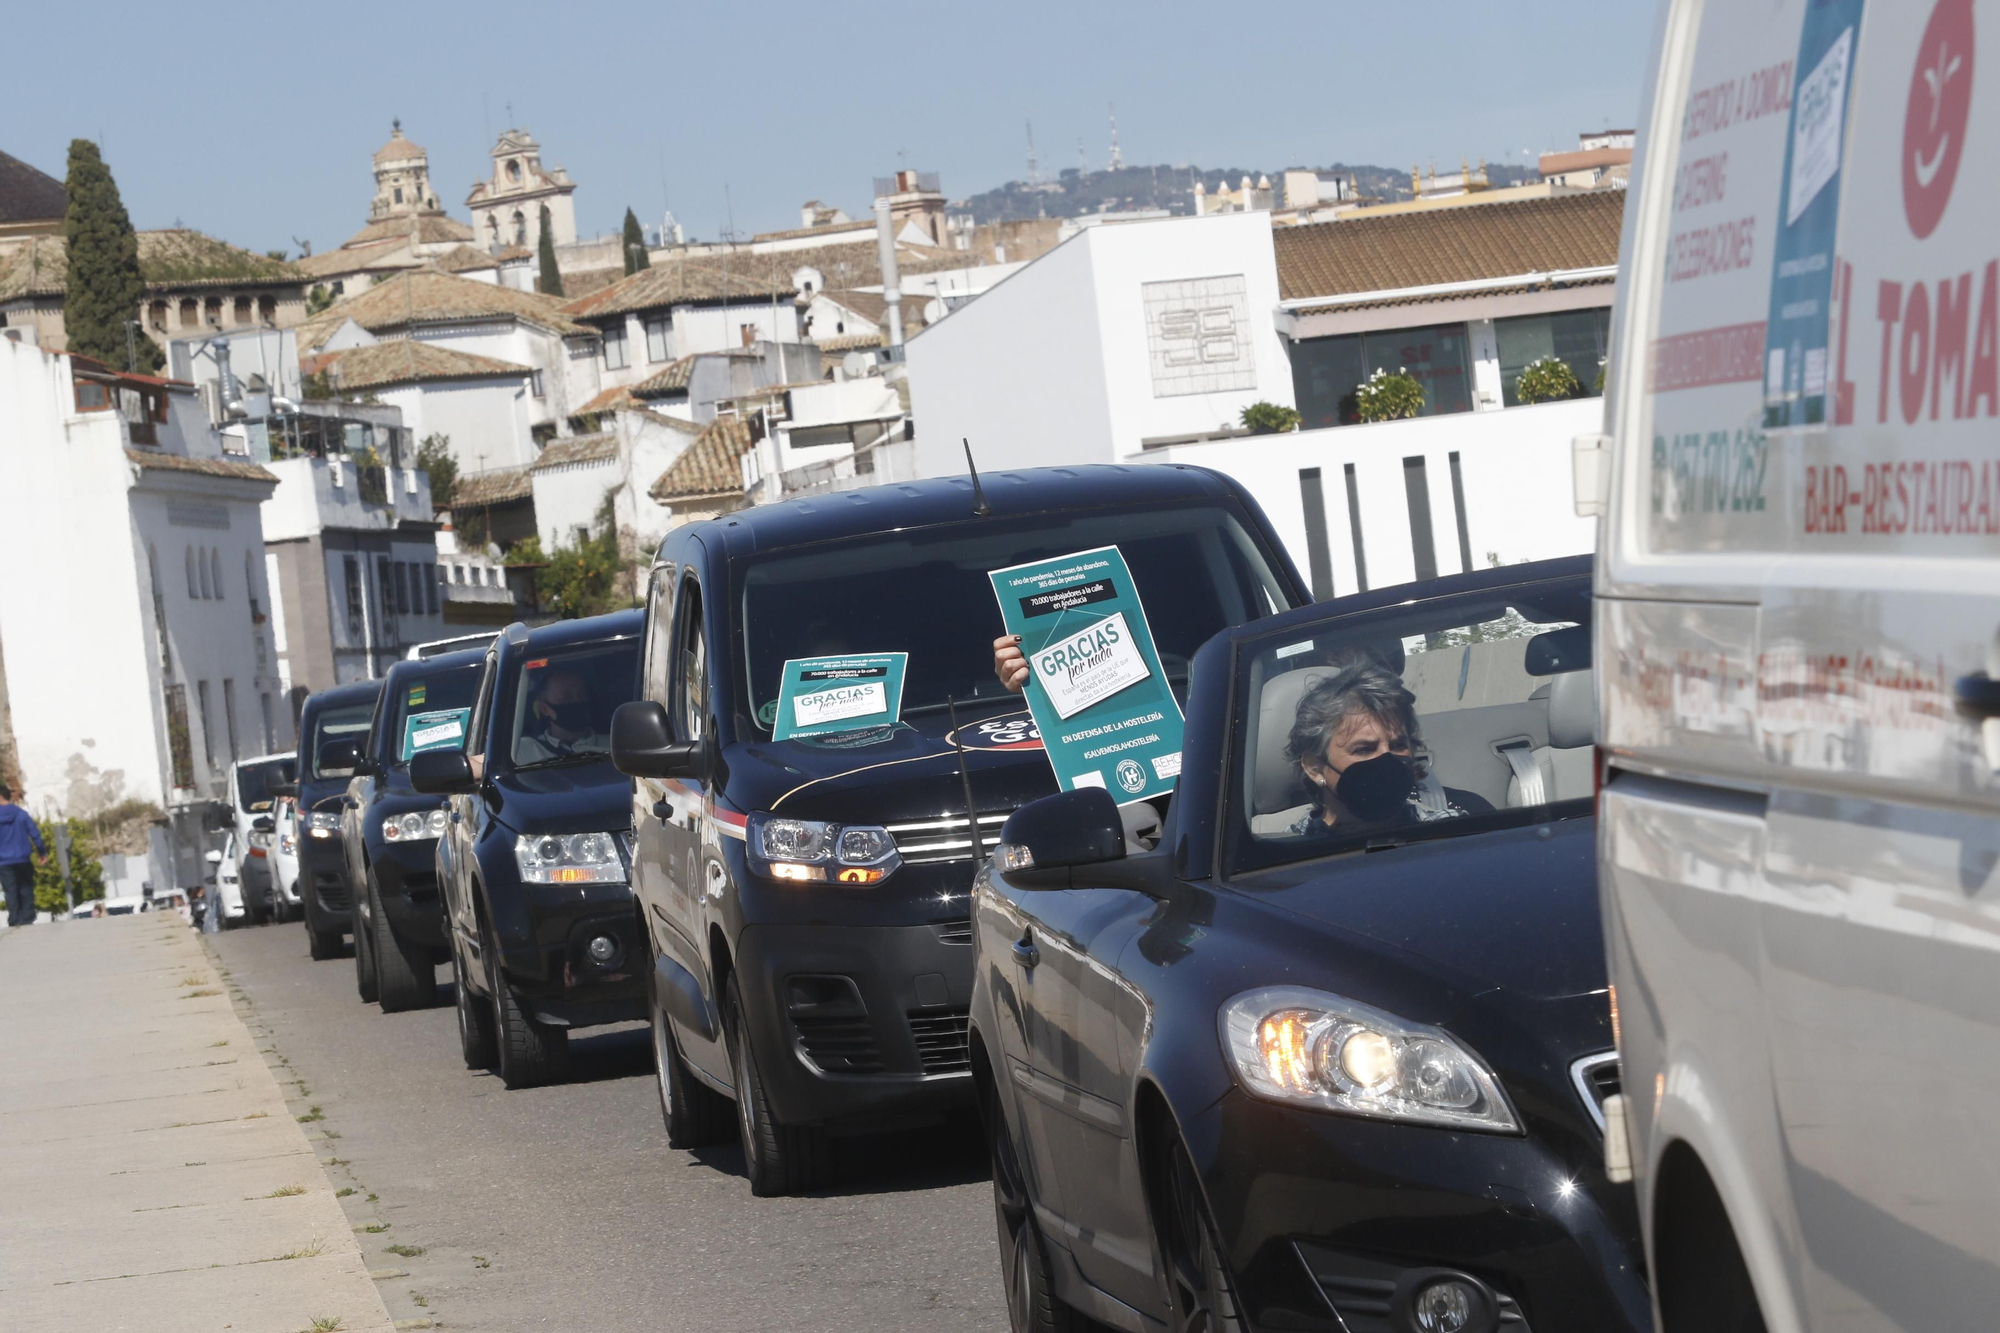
[
  {"x": 284, "y": 859},
  {"x": 225, "y": 887},
  {"x": 1798, "y": 666},
  {"x": 250, "y": 801}
]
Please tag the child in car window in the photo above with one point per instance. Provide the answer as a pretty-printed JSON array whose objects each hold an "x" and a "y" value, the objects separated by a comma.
[{"x": 1357, "y": 744}]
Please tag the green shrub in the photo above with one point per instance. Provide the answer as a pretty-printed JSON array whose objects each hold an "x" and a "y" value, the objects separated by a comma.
[
  {"x": 1546, "y": 380},
  {"x": 1269, "y": 418},
  {"x": 1387, "y": 397}
]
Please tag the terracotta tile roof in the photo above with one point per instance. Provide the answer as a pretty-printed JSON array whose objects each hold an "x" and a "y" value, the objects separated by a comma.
[
  {"x": 207, "y": 467},
  {"x": 349, "y": 261},
  {"x": 27, "y": 194},
  {"x": 712, "y": 465},
  {"x": 502, "y": 485},
  {"x": 172, "y": 259},
  {"x": 398, "y": 148},
  {"x": 607, "y": 401},
  {"x": 509, "y": 253},
  {"x": 1449, "y": 245},
  {"x": 428, "y": 296},
  {"x": 681, "y": 424},
  {"x": 577, "y": 449},
  {"x": 869, "y": 305},
  {"x": 673, "y": 281},
  {"x": 837, "y": 229},
  {"x": 425, "y": 228},
  {"x": 409, "y": 361},
  {"x": 464, "y": 257},
  {"x": 851, "y": 342},
  {"x": 586, "y": 281},
  {"x": 672, "y": 378}
]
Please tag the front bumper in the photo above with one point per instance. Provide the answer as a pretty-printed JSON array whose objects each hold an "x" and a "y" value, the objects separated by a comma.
[
  {"x": 545, "y": 931},
  {"x": 1331, "y": 1221},
  {"x": 406, "y": 885},
  {"x": 323, "y": 875},
  {"x": 858, "y": 1022}
]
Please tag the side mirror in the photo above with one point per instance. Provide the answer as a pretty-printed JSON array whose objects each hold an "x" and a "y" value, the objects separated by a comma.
[
  {"x": 441, "y": 772},
  {"x": 263, "y": 824},
  {"x": 214, "y": 858},
  {"x": 1071, "y": 828},
  {"x": 339, "y": 759},
  {"x": 642, "y": 744}
]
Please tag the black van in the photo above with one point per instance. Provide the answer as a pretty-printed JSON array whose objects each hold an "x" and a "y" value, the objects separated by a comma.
[
  {"x": 533, "y": 862},
  {"x": 821, "y": 1006},
  {"x": 390, "y": 830},
  {"x": 334, "y": 717}
]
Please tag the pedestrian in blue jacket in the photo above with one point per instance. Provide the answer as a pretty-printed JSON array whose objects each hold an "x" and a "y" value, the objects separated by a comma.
[{"x": 17, "y": 834}]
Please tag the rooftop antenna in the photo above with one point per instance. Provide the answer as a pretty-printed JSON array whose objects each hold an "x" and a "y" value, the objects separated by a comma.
[
  {"x": 1034, "y": 167},
  {"x": 980, "y": 508},
  {"x": 1117, "y": 162}
]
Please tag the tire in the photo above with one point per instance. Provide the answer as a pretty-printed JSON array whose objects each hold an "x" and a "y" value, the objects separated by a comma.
[
  {"x": 530, "y": 1053},
  {"x": 779, "y": 1159},
  {"x": 695, "y": 1114},
  {"x": 1032, "y": 1305},
  {"x": 405, "y": 976},
  {"x": 476, "y": 1039},
  {"x": 321, "y": 945},
  {"x": 365, "y": 980},
  {"x": 1201, "y": 1295}
]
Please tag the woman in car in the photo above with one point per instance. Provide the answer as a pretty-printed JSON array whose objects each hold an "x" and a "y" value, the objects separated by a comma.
[{"x": 1356, "y": 741}]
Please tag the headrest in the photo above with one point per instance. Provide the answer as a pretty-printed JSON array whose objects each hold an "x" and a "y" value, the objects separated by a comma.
[
  {"x": 1277, "y": 778},
  {"x": 1572, "y": 710}
]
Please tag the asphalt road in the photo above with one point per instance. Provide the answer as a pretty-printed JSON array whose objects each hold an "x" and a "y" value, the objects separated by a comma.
[{"x": 564, "y": 1208}]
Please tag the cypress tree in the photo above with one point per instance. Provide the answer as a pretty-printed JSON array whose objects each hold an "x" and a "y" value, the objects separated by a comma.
[
  {"x": 636, "y": 257},
  {"x": 551, "y": 283},
  {"x": 105, "y": 287}
]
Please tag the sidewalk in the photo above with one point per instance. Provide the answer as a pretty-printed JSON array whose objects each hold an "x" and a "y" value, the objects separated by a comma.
[{"x": 152, "y": 1177}]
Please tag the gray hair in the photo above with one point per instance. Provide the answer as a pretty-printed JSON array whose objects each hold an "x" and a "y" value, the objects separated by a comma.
[{"x": 1359, "y": 685}]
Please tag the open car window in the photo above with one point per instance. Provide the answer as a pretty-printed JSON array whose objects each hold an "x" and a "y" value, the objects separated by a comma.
[
  {"x": 1436, "y": 720},
  {"x": 557, "y": 707}
]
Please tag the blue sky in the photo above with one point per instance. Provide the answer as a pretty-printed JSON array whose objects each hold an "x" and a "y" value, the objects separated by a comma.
[{"x": 256, "y": 123}]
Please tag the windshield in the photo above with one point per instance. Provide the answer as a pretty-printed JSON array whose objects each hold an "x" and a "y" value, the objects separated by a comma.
[
  {"x": 1471, "y": 715},
  {"x": 344, "y": 722},
  {"x": 428, "y": 712},
  {"x": 926, "y": 593},
  {"x": 254, "y": 782},
  {"x": 557, "y": 708}
]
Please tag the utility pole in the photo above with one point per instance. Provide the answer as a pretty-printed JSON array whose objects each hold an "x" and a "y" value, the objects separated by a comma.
[
  {"x": 62, "y": 861},
  {"x": 1034, "y": 167},
  {"x": 1117, "y": 162}
]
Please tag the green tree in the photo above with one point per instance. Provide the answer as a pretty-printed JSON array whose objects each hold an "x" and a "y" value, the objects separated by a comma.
[
  {"x": 86, "y": 874},
  {"x": 580, "y": 579},
  {"x": 1269, "y": 418},
  {"x": 434, "y": 456},
  {"x": 636, "y": 257},
  {"x": 105, "y": 287},
  {"x": 551, "y": 282},
  {"x": 318, "y": 299}
]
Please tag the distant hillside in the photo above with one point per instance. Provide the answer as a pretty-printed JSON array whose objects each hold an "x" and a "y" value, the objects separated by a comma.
[{"x": 1074, "y": 193}]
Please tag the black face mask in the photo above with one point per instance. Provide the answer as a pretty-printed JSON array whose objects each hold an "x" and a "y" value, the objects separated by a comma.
[
  {"x": 572, "y": 717},
  {"x": 1376, "y": 789}
]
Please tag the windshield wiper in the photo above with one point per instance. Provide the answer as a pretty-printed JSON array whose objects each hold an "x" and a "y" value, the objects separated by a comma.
[{"x": 564, "y": 760}]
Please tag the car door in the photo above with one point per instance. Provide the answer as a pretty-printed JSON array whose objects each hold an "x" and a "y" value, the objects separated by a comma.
[
  {"x": 457, "y": 850},
  {"x": 1072, "y": 1073}
]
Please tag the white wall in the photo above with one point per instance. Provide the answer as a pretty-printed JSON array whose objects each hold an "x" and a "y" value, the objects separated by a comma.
[
  {"x": 567, "y": 497},
  {"x": 1516, "y": 469},
  {"x": 486, "y": 420}
]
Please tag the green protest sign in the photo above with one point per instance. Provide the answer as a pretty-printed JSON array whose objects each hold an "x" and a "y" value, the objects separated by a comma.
[
  {"x": 440, "y": 730},
  {"x": 820, "y": 695},
  {"x": 1095, "y": 684}
]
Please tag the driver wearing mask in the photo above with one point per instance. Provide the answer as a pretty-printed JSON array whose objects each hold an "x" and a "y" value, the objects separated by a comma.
[
  {"x": 563, "y": 722},
  {"x": 1357, "y": 745}
]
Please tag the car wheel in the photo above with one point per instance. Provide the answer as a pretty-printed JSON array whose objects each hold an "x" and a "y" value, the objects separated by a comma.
[
  {"x": 365, "y": 981},
  {"x": 530, "y": 1052},
  {"x": 1201, "y": 1297},
  {"x": 475, "y": 1019},
  {"x": 405, "y": 976},
  {"x": 779, "y": 1159},
  {"x": 694, "y": 1113},
  {"x": 321, "y": 945},
  {"x": 1032, "y": 1305}
]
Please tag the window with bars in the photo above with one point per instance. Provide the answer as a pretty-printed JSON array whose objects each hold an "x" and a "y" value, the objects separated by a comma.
[{"x": 179, "y": 744}]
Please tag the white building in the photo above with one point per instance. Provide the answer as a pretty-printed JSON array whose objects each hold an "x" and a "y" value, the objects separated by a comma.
[
  {"x": 573, "y": 478},
  {"x": 836, "y": 436},
  {"x": 135, "y": 629},
  {"x": 684, "y": 307},
  {"x": 1122, "y": 337},
  {"x": 507, "y": 207},
  {"x": 479, "y": 405}
]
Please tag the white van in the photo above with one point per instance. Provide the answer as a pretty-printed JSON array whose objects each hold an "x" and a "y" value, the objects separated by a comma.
[
  {"x": 1797, "y": 644},
  {"x": 251, "y": 796}
]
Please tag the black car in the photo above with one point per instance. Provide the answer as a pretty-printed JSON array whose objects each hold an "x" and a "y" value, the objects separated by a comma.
[
  {"x": 390, "y": 829},
  {"x": 804, "y": 902},
  {"x": 533, "y": 863},
  {"x": 335, "y": 717},
  {"x": 1333, "y": 1056}
]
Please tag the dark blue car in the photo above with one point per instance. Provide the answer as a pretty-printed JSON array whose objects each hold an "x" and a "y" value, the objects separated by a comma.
[{"x": 332, "y": 726}]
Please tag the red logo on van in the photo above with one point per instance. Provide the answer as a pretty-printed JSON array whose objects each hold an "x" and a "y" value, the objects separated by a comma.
[{"x": 1934, "y": 124}]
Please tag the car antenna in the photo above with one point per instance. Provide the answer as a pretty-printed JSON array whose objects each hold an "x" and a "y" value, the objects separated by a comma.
[
  {"x": 979, "y": 506},
  {"x": 964, "y": 776}
]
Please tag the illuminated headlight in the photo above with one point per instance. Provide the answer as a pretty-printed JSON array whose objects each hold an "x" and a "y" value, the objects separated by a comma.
[
  {"x": 575, "y": 858},
  {"x": 1312, "y": 1048},
  {"x": 323, "y": 824},
  {"x": 803, "y": 850},
  {"x": 415, "y": 826}
]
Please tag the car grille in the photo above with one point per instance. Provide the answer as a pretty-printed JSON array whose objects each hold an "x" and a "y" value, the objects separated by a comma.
[
  {"x": 945, "y": 838},
  {"x": 1596, "y": 1078},
  {"x": 839, "y": 1045},
  {"x": 955, "y": 932},
  {"x": 944, "y": 1040}
]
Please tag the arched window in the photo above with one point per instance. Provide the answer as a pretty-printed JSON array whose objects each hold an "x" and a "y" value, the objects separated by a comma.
[
  {"x": 194, "y": 581},
  {"x": 520, "y": 228},
  {"x": 215, "y": 570},
  {"x": 513, "y": 169},
  {"x": 190, "y": 313},
  {"x": 493, "y": 228}
]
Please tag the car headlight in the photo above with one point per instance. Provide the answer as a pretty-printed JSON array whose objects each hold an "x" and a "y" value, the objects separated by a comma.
[
  {"x": 323, "y": 824},
  {"x": 813, "y": 850},
  {"x": 1312, "y": 1048},
  {"x": 574, "y": 858},
  {"x": 415, "y": 826}
]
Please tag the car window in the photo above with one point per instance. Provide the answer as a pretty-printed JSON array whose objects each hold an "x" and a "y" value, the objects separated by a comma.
[
  {"x": 482, "y": 708},
  {"x": 254, "y": 782},
  {"x": 558, "y": 705},
  {"x": 1432, "y": 721},
  {"x": 431, "y": 698},
  {"x": 659, "y": 634},
  {"x": 343, "y": 722},
  {"x": 926, "y": 593},
  {"x": 690, "y": 681}
]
